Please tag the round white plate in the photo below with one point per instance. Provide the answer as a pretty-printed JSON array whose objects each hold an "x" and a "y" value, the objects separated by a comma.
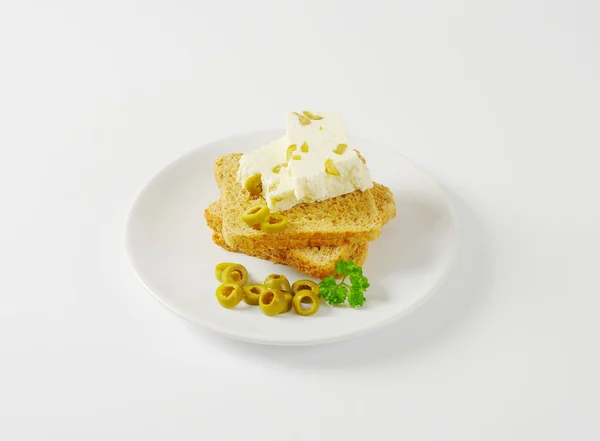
[{"x": 172, "y": 252}]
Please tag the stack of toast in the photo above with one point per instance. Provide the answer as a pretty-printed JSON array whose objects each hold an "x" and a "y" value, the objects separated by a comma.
[{"x": 318, "y": 234}]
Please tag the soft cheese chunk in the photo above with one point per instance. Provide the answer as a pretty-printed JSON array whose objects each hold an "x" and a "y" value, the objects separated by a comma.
[{"x": 313, "y": 161}]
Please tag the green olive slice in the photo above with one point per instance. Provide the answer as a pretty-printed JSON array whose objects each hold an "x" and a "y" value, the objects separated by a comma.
[
  {"x": 271, "y": 302},
  {"x": 288, "y": 303},
  {"x": 300, "y": 285},
  {"x": 303, "y": 119},
  {"x": 312, "y": 116},
  {"x": 256, "y": 214},
  {"x": 277, "y": 168},
  {"x": 229, "y": 295},
  {"x": 278, "y": 281},
  {"x": 340, "y": 149},
  {"x": 330, "y": 168},
  {"x": 237, "y": 274},
  {"x": 275, "y": 223},
  {"x": 254, "y": 184},
  {"x": 252, "y": 293},
  {"x": 290, "y": 151},
  {"x": 305, "y": 296},
  {"x": 220, "y": 268}
]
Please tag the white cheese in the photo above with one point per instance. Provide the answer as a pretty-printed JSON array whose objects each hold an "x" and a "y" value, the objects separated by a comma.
[{"x": 303, "y": 178}]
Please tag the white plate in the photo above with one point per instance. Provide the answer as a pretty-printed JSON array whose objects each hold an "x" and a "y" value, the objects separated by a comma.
[{"x": 172, "y": 252}]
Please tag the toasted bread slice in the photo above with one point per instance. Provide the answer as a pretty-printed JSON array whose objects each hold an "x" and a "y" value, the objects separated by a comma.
[
  {"x": 319, "y": 262},
  {"x": 384, "y": 201},
  {"x": 342, "y": 220}
]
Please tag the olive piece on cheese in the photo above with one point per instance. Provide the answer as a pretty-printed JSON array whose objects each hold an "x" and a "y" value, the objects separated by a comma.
[
  {"x": 290, "y": 151},
  {"x": 277, "y": 168},
  {"x": 330, "y": 168},
  {"x": 254, "y": 184},
  {"x": 311, "y": 115},
  {"x": 303, "y": 119},
  {"x": 340, "y": 149}
]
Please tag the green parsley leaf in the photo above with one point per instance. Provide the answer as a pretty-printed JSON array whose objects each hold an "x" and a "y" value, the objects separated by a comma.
[
  {"x": 356, "y": 297},
  {"x": 331, "y": 292},
  {"x": 345, "y": 267},
  {"x": 359, "y": 281},
  {"x": 340, "y": 268},
  {"x": 336, "y": 294},
  {"x": 328, "y": 282}
]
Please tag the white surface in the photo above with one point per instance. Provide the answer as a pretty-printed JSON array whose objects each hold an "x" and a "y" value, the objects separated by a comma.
[
  {"x": 173, "y": 254},
  {"x": 497, "y": 100}
]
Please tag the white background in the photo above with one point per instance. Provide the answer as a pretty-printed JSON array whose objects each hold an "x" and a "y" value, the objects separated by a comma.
[{"x": 498, "y": 100}]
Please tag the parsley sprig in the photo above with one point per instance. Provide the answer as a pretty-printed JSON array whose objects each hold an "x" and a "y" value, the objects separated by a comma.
[{"x": 336, "y": 294}]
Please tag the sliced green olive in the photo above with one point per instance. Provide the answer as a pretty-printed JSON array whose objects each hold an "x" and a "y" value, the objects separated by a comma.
[
  {"x": 271, "y": 301},
  {"x": 278, "y": 281},
  {"x": 256, "y": 214},
  {"x": 305, "y": 296},
  {"x": 229, "y": 295},
  {"x": 303, "y": 119},
  {"x": 252, "y": 293},
  {"x": 220, "y": 268},
  {"x": 304, "y": 147},
  {"x": 330, "y": 168},
  {"x": 277, "y": 168},
  {"x": 301, "y": 285},
  {"x": 340, "y": 149},
  {"x": 288, "y": 303},
  {"x": 237, "y": 274},
  {"x": 254, "y": 184},
  {"x": 290, "y": 151},
  {"x": 275, "y": 223},
  {"x": 311, "y": 115}
]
